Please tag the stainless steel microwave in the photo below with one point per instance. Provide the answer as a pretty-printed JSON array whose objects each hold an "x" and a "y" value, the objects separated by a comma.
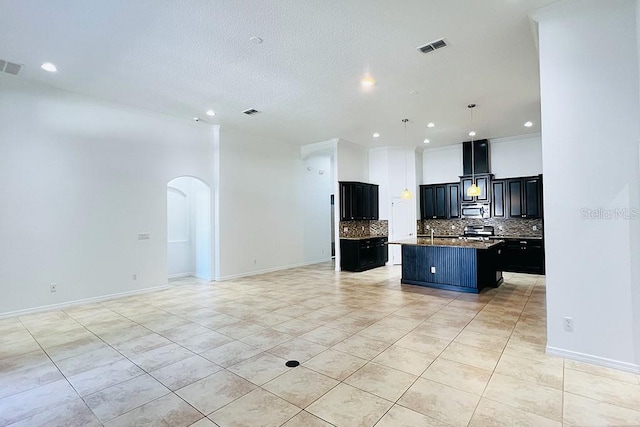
[{"x": 476, "y": 210}]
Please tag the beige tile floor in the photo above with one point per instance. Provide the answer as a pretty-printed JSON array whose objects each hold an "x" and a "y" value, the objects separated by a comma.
[{"x": 372, "y": 352}]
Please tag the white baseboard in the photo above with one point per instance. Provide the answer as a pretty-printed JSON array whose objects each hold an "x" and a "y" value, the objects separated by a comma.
[
  {"x": 178, "y": 275},
  {"x": 596, "y": 360},
  {"x": 270, "y": 270},
  {"x": 81, "y": 301}
]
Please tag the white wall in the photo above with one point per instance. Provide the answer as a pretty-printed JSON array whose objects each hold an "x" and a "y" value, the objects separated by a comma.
[
  {"x": 516, "y": 156},
  {"x": 509, "y": 157},
  {"x": 261, "y": 214},
  {"x": 352, "y": 162},
  {"x": 80, "y": 178},
  {"x": 317, "y": 189},
  {"x": 442, "y": 164},
  {"x": 590, "y": 111}
]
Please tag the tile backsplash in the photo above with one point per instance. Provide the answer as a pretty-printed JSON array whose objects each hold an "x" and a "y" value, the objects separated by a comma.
[
  {"x": 510, "y": 227},
  {"x": 366, "y": 228}
]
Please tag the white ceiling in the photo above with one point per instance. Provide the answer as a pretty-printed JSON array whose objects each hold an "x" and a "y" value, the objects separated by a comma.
[{"x": 184, "y": 57}]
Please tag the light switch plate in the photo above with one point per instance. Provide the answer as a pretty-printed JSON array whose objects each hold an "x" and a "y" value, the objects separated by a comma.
[{"x": 433, "y": 270}]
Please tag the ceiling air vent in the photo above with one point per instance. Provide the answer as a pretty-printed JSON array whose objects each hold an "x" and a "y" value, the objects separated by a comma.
[
  {"x": 251, "y": 111},
  {"x": 10, "y": 67},
  {"x": 430, "y": 47}
]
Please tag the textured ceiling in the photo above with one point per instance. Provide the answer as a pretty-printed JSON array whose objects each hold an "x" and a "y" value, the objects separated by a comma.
[{"x": 184, "y": 57}]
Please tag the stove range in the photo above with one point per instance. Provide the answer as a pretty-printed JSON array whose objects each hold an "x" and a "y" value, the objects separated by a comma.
[{"x": 477, "y": 232}]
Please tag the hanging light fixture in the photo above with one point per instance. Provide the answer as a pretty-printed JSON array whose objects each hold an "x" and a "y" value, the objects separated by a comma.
[
  {"x": 406, "y": 194},
  {"x": 473, "y": 190}
]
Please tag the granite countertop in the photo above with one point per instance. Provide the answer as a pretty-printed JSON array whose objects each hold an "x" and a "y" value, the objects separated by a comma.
[
  {"x": 517, "y": 237},
  {"x": 448, "y": 241},
  {"x": 490, "y": 237},
  {"x": 362, "y": 238}
]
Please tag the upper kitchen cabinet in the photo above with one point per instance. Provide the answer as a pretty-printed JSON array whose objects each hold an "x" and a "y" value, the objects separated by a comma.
[
  {"x": 440, "y": 201},
  {"x": 479, "y": 158},
  {"x": 483, "y": 181},
  {"x": 524, "y": 197},
  {"x": 498, "y": 203},
  {"x": 358, "y": 201}
]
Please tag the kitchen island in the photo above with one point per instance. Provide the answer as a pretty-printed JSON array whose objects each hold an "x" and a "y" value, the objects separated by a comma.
[{"x": 451, "y": 263}]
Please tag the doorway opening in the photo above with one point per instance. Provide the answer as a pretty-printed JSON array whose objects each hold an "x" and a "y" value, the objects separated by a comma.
[
  {"x": 188, "y": 228},
  {"x": 401, "y": 227}
]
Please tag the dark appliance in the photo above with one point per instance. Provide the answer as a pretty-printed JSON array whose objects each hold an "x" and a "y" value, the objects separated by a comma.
[
  {"x": 477, "y": 232},
  {"x": 476, "y": 210}
]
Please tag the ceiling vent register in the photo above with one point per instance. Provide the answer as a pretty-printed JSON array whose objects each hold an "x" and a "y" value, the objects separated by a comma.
[
  {"x": 251, "y": 111},
  {"x": 430, "y": 47},
  {"x": 10, "y": 67}
]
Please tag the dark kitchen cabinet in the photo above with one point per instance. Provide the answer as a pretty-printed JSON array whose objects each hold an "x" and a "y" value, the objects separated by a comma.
[
  {"x": 523, "y": 256},
  {"x": 363, "y": 254},
  {"x": 480, "y": 158},
  {"x": 498, "y": 202},
  {"x": 440, "y": 201},
  {"x": 453, "y": 200},
  {"x": 358, "y": 201},
  {"x": 524, "y": 197},
  {"x": 482, "y": 181}
]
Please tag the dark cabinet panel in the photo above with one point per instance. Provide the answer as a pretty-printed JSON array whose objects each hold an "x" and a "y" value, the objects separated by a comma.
[
  {"x": 435, "y": 201},
  {"x": 482, "y": 181},
  {"x": 498, "y": 205},
  {"x": 523, "y": 256},
  {"x": 441, "y": 201},
  {"x": 358, "y": 201},
  {"x": 453, "y": 200},
  {"x": 524, "y": 197},
  {"x": 480, "y": 157},
  {"x": 363, "y": 254}
]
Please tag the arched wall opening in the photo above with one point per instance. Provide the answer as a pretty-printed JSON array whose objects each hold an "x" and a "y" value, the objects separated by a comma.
[{"x": 188, "y": 228}]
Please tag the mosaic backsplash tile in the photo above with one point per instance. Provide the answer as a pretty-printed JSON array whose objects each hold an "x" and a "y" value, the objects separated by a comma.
[
  {"x": 368, "y": 228},
  {"x": 510, "y": 227}
]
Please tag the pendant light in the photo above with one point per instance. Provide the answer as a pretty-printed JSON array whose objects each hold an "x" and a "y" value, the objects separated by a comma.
[
  {"x": 406, "y": 194},
  {"x": 473, "y": 190}
]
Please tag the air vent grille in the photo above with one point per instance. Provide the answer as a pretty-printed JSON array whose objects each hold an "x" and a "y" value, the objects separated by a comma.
[
  {"x": 251, "y": 111},
  {"x": 10, "y": 67},
  {"x": 430, "y": 47}
]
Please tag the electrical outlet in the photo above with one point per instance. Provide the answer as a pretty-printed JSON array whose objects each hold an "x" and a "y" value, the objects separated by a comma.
[
  {"x": 345, "y": 229},
  {"x": 53, "y": 287},
  {"x": 453, "y": 227},
  {"x": 433, "y": 270},
  {"x": 568, "y": 324},
  {"x": 535, "y": 228},
  {"x": 428, "y": 227},
  {"x": 500, "y": 227},
  {"x": 363, "y": 228},
  {"x": 134, "y": 276}
]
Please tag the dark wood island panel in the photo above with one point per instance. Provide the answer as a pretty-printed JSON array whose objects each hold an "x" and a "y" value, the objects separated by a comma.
[{"x": 456, "y": 267}]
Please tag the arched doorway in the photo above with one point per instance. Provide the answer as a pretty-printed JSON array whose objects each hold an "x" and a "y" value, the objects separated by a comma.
[{"x": 188, "y": 228}]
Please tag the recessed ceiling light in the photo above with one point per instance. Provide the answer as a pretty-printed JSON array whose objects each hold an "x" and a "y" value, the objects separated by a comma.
[
  {"x": 375, "y": 135},
  {"x": 256, "y": 40},
  {"x": 528, "y": 124},
  {"x": 431, "y": 125},
  {"x": 211, "y": 113},
  {"x": 48, "y": 66},
  {"x": 426, "y": 141},
  {"x": 367, "y": 82},
  {"x": 472, "y": 133},
  {"x": 196, "y": 119}
]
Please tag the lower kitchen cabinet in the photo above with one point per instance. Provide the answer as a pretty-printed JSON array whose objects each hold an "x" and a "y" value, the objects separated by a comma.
[
  {"x": 522, "y": 256},
  {"x": 363, "y": 254}
]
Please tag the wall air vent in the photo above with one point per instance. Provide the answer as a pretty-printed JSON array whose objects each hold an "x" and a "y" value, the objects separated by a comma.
[
  {"x": 430, "y": 47},
  {"x": 10, "y": 67},
  {"x": 251, "y": 111}
]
